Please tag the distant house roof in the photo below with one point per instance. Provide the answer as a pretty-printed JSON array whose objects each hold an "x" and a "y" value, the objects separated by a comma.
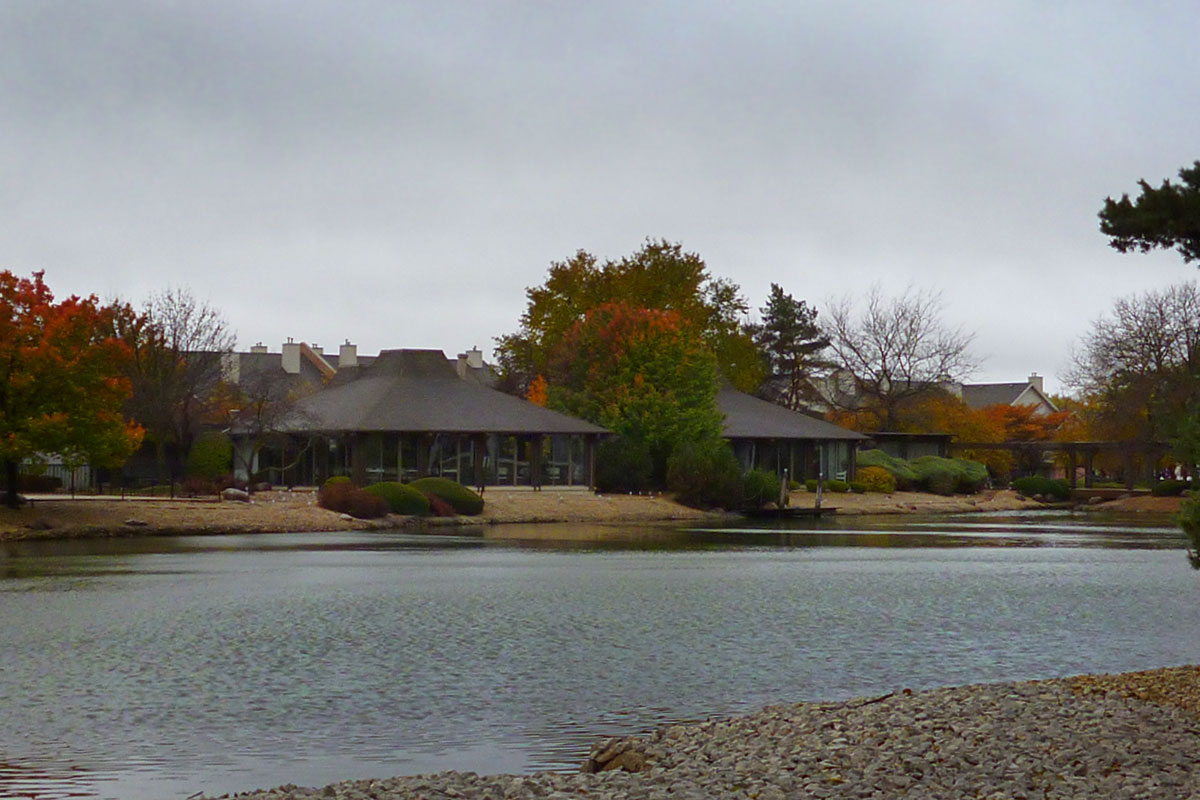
[
  {"x": 748, "y": 417},
  {"x": 1027, "y": 393},
  {"x": 420, "y": 391}
]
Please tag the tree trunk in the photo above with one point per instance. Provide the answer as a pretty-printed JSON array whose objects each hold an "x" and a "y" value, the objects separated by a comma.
[{"x": 10, "y": 475}]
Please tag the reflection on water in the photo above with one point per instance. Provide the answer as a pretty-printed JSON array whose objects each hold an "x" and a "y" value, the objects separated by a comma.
[{"x": 163, "y": 666}]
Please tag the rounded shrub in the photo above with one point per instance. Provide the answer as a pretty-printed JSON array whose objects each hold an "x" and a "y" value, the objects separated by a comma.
[
  {"x": 337, "y": 480},
  {"x": 760, "y": 487},
  {"x": 346, "y": 498},
  {"x": 876, "y": 479},
  {"x": 705, "y": 474},
  {"x": 902, "y": 471},
  {"x": 949, "y": 475},
  {"x": 1052, "y": 489},
  {"x": 401, "y": 498},
  {"x": 810, "y": 485},
  {"x": 1168, "y": 488},
  {"x": 211, "y": 456},
  {"x": 837, "y": 486},
  {"x": 972, "y": 476},
  {"x": 463, "y": 500},
  {"x": 624, "y": 465},
  {"x": 858, "y": 487},
  {"x": 936, "y": 475}
]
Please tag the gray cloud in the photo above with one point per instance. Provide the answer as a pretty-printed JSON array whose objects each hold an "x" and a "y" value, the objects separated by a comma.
[{"x": 398, "y": 173}]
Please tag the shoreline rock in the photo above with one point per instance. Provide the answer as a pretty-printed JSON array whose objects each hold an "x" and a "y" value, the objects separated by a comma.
[{"x": 1086, "y": 736}]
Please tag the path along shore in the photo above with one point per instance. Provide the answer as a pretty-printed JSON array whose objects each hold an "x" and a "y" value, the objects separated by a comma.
[
  {"x": 1135, "y": 735},
  {"x": 61, "y": 516}
]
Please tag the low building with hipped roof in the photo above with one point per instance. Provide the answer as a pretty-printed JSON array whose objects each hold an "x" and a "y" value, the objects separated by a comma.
[{"x": 409, "y": 413}]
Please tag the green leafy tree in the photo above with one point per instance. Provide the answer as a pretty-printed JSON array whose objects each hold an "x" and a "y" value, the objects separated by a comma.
[
  {"x": 641, "y": 373},
  {"x": 662, "y": 276},
  {"x": 62, "y": 386},
  {"x": 791, "y": 344},
  {"x": 1167, "y": 217}
]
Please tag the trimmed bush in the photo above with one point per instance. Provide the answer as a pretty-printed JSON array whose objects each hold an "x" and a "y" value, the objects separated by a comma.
[
  {"x": 624, "y": 465},
  {"x": 196, "y": 486},
  {"x": 858, "y": 487},
  {"x": 1168, "y": 488},
  {"x": 835, "y": 485},
  {"x": 1054, "y": 489},
  {"x": 795, "y": 486},
  {"x": 38, "y": 483},
  {"x": 810, "y": 485},
  {"x": 346, "y": 498},
  {"x": 211, "y": 456},
  {"x": 946, "y": 476},
  {"x": 463, "y": 500},
  {"x": 337, "y": 480},
  {"x": 876, "y": 479},
  {"x": 705, "y": 475},
  {"x": 440, "y": 507},
  {"x": 760, "y": 487},
  {"x": 973, "y": 477},
  {"x": 901, "y": 470},
  {"x": 401, "y": 498}
]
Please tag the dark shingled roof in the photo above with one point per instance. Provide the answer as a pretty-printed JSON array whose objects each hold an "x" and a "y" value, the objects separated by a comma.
[
  {"x": 747, "y": 417},
  {"x": 982, "y": 395},
  {"x": 419, "y": 391}
]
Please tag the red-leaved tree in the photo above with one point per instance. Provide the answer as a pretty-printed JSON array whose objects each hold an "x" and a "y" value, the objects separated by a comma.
[{"x": 61, "y": 384}]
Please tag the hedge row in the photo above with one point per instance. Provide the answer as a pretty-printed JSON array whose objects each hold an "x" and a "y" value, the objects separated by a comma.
[
  {"x": 927, "y": 473},
  {"x": 440, "y": 495}
]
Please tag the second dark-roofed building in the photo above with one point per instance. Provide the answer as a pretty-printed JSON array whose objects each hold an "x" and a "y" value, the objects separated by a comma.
[{"x": 771, "y": 437}]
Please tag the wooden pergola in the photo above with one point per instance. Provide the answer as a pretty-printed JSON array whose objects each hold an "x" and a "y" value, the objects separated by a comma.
[{"x": 1085, "y": 451}]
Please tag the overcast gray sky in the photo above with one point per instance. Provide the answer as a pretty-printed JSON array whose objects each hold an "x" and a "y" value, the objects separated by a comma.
[{"x": 397, "y": 173}]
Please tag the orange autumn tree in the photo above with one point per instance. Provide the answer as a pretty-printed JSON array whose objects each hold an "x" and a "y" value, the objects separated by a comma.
[
  {"x": 942, "y": 412},
  {"x": 61, "y": 384}
]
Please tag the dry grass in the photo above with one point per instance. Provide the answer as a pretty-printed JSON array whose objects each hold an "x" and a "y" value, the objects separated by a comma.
[{"x": 63, "y": 517}]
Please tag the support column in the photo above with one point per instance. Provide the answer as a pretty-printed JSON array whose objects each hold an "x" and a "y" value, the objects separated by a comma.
[
  {"x": 358, "y": 459},
  {"x": 589, "y": 457},
  {"x": 1089, "y": 458},
  {"x": 480, "y": 447},
  {"x": 535, "y": 461},
  {"x": 1071, "y": 466}
]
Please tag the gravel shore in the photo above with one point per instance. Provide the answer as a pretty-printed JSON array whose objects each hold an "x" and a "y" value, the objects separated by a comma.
[{"x": 1125, "y": 736}]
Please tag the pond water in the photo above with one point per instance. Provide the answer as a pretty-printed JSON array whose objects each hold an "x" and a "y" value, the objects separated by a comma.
[{"x": 161, "y": 667}]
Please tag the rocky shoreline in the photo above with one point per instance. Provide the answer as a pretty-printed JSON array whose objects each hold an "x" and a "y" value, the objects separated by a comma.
[{"x": 1135, "y": 735}]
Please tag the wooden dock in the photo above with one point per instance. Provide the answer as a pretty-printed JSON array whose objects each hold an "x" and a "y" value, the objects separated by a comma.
[{"x": 789, "y": 512}]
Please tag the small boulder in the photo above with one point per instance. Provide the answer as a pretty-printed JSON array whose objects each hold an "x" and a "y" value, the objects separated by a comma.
[
  {"x": 236, "y": 495},
  {"x": 614, "y": 754}
]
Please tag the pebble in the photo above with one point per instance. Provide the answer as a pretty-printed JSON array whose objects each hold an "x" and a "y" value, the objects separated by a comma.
[{"x": 1064, "y": 738}]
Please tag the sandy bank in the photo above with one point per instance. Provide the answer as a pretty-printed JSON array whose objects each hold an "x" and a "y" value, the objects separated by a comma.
[{"x": 280, "y": 511}]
